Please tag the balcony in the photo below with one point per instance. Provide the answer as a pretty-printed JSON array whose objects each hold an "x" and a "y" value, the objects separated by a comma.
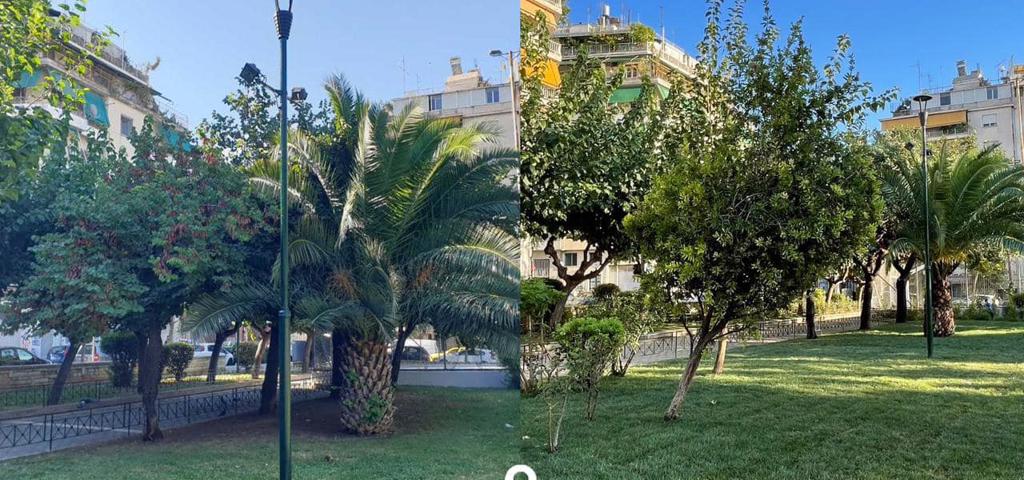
[{"x": 668, "y": 54}]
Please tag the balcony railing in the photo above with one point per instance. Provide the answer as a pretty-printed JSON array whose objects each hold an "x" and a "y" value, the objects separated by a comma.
[{"x": 666, "y": 53}]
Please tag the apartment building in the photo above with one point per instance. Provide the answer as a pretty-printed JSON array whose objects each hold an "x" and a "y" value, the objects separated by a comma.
[
  {"x": 972, "y": 105},
  {"x": 469, "y": 98},
  {"x": 119, "y": 96},
  {"x": 552, "y": 12}
]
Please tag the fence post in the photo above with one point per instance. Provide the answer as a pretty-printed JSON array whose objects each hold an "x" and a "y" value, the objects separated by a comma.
[
  {"x": 51, "y": 430},
  {"x": 188, "y": 410},
  {"x": 675, "y": 344}
]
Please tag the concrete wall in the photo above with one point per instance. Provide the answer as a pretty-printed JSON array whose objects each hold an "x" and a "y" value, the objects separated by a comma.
[{"x": 43, "y": 375}]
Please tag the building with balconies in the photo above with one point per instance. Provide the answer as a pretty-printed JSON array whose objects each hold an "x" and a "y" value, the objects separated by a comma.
[
  {"x": 552, "y": 11},
  {"x": 973, "y": 105},
  {"x": 118, "y": 95},
  {"x": 470, "y": 99},
  {"x": 616, "y": 44}
]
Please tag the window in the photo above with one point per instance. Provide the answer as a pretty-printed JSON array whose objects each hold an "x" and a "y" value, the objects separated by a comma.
[
  {"x": 541, "y": 267},
  {"x": 945, "y": 98},
  {"x": 434, "y": 102},
  {"x": 993, "y": 93},
  {"x": 493, "y": 95},
  {"x": 127, "y": 126},
  {"x": 20, "y": 94},
  {"x": 632, "y": 71},
  {"x": 569, "y": 259},
  {"x": 24, "y": 356},
  {"x": 988, "y": 120}
]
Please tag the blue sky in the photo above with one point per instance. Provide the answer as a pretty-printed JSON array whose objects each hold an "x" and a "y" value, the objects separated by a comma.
[
  {"x": 890, "y": 37},
  {"x": 202, "y": 44}
]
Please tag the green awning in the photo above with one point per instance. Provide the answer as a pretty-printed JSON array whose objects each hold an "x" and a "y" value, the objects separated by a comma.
[
  {"x": 629, "y": 94},
  {"x": 29, "y": 80},
  {"x": 96, "y": 109},
  {"x": 174, "y": 139}
]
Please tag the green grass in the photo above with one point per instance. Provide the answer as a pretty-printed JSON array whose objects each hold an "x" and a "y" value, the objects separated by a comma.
[
  {"x": 850, "y": 406},
  {"x": 440, "y": 434}
]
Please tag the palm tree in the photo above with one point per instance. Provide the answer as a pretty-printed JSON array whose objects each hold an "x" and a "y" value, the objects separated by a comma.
[
  {"x": 420, "y": 230},
  {"x": 977, "y": 203}
]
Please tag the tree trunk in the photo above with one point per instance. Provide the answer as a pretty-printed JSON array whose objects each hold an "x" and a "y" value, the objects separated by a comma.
[
  {"x": 684, "y": 383},
  {"x": 367, "y": 397},
  {"x": 261, "y": 348},
  {"x": 865, "y": 303},
  {"x": 830, "y": 292},
  {"x": 901, "y": 298},
  {"x": 809, "y": 313},
  {"x": 141, "y": 340},
  {"x": 339, "y": 340},
  {"x": 268, "y": 392},
  {"x": 218, "y": 344},
  {"x": 307, "y": 356},
  {"x": 723, "y": 344},
  {"x": 396, "y": 357},
  {"x": 942, "y": 305},
  {"x": 559, "y": 311},
  {"x": 150, "y": 382},
  {"x": 57, "y": 389}
]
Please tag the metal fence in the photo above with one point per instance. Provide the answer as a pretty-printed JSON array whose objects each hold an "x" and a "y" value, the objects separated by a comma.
[{"x": 44, "y": 431}]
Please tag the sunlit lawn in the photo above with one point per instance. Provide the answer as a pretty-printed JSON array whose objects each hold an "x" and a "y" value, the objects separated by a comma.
[
  {"x": 440, "y": 434},
  {"x": 848, "y": 406}
]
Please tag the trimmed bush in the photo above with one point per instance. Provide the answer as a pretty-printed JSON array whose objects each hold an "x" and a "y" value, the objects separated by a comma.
[
  {"x": 588, "y": 346},
  {"x": 245, "y": 355},
  {"x": 176, "y": 358},
  {"x": 606, "y": 291},
  {"x": 123, "y": 349}
]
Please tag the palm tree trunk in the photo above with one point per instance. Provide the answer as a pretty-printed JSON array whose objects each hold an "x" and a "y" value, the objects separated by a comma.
[
  {"x": 307, "y": 357},
  {"x": 942, "y": 305},
  {"x": 367, "y": 396},
  {"x": 809, "y": 312},
  {"x": 57, "y": 389},
  {"x": 268, "y": 392}
]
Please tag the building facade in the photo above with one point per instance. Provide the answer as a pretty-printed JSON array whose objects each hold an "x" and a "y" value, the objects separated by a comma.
[
  {"x": 973, "y": 105},
  {"x": 118, "y": 97},
  {"x": 552, "y": 11},
  {"x": 471, "y": 100}
]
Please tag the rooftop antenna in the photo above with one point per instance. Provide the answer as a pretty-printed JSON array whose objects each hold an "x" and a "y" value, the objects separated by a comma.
[
  {"x": 404, "y": 74},
  {"x": 661, "y": 20}
]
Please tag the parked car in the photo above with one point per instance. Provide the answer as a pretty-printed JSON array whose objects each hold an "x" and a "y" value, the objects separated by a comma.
[
  {"x": 87, "y": 353},
  {"x": 205, "y": 350},
  {"x": 10, "y": 356},
  {"x": 415, "y": 353},
  {"x": 465, "y": 355}
]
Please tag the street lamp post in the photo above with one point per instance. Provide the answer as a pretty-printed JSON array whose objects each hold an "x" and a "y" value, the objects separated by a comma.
[
  {"x": 922, "y": 103},
  {"x": 251, "y": 74},
  {"x": 512, "y": 88}
]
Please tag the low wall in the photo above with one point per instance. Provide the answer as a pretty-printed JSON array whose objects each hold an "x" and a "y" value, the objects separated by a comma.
[
  {"x": 454, "y": 378},
  {"x": 43, "y": 375}
]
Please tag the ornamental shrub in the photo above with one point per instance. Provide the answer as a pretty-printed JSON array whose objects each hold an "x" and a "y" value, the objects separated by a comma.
[
  {"x": 123, "y": 350},
  {"x": 176, "y": 358},
  {"x": 588, "y": 345},
  {"x": 245, "y": 355}
]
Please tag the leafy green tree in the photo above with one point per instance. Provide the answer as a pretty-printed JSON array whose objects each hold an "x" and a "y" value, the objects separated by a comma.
[
  {"x": 176, "y": 358},
  {"x": 585, "y": 160},
  {"x": 588, "y": 346},
  {"x": 976, "y": 204},
  {"x": 766, "y": 190},
  {"x": 123, "y": 350}
]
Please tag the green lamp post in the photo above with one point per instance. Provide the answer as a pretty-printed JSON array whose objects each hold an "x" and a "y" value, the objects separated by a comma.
[{"x": 922, "y": 103}]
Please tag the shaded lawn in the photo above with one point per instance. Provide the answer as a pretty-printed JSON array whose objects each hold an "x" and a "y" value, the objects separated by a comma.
[
  {"x": 441, "y": 434},
  {"x": 847, "y": 406}
]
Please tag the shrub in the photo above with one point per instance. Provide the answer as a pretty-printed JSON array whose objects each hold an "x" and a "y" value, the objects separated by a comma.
[
  {"x": 588, "y": 346},
  {"x": 176, "y": 358},
  {"x": 536, "y": 299},
  {"x": 606, "y": 291},
  {"x": 123, "y": 349},
  {"x": 245, "y": 355}
]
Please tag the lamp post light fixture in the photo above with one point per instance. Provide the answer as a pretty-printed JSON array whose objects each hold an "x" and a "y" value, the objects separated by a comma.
[
  {"x": 252, "y": 75},
  {"x": 922, "y": 104},
  {"x": 512, "y": 87}
]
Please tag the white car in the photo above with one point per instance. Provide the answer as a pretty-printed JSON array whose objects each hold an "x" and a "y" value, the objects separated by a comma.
[{"x": 205, "y": 350}]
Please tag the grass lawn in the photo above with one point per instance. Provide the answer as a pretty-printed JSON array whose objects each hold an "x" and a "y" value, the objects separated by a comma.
[
  {"x": 440, "y": 434},
  {"x": 848, "y": 406}
]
